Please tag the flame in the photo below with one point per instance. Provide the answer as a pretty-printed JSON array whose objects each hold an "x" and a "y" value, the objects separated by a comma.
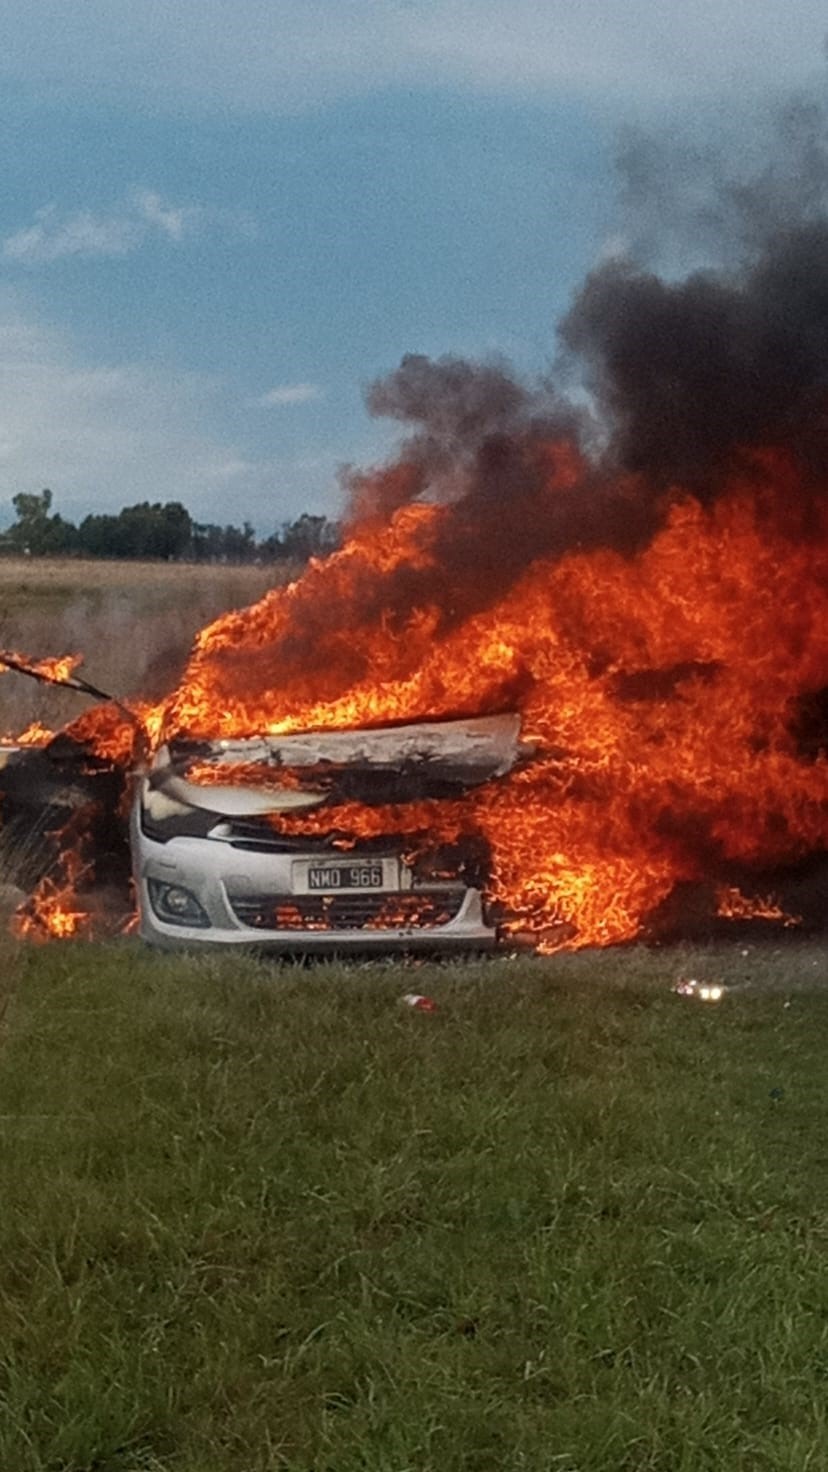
[
  {"x": 247, "y": 774},
  {"x": 112, "y": 734},
  {"x": 53, "y": 910},
  {"x": 660, "y": 686},
  {"x": 58, "y": 668},
  {"x": 50, "y": 913},
  {"x": 34, "y": 735},
  {"x": 731, "y": 904}
]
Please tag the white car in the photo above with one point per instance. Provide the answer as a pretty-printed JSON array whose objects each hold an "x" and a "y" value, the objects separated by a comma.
[{"x": 213, "y": 865}]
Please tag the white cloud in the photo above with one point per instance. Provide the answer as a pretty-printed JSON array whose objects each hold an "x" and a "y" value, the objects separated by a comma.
[
  {"x": 105, "y": 436},
  {"x": 51, "y": 238},
  {"x": 172, "y": 221},
  {"x": 290, "y": 393},
  {"x": 277, "y": 54},
  {"x": 123, "y": 229}
]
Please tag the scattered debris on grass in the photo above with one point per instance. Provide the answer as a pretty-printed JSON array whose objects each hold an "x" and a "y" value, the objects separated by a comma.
[
  {"x": 703, "y": 991},
  {"x": 418, "y": 1003}
]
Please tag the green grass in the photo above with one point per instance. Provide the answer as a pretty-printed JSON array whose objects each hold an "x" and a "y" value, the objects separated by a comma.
[{"x": 257, "y": 1216}]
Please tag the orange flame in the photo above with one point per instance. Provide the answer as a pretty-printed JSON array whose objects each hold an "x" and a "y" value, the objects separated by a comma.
[
  {"x": 662, "y": 687},
  {"x": 50, "y": 913},
  {"x": 34, "y": 735},
  {"x": 60, "y": 667},
  {"x": 733, "y": 905}
]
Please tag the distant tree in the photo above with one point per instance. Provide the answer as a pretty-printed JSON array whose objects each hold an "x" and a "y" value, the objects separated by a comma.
[
  {"x": 165, "y": 532},
  {"x": 150, "y": 532},
  {"x": 32, "y": 510},
  {"x": 212, "y": 543},
  {"x": 309, "y": 536},
  {"x": 240, "y": 544},
  {"x": 97, "y": 535},
  {"x": 206, "y": 542},
  {"x": 157, "y": 531},
  {"x": 36, "y": 531},
  {"x": 272, "y": 549}
]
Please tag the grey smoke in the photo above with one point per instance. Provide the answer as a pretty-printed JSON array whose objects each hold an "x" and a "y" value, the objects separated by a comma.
[
  {"x": 712, "y": 198},
  {"x": 690, "y": 375}
]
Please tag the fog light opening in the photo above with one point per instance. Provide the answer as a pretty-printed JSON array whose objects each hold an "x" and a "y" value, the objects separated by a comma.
[{"x": 175, "y": 905}]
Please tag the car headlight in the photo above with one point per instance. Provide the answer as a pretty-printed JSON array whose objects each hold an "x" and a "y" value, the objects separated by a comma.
[{"x": 176, "y": 905}]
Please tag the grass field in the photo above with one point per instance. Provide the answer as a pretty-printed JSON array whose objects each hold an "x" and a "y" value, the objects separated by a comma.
[
  {"x": 257, "y": 1216},
  {"x": 134, "y": 621}
]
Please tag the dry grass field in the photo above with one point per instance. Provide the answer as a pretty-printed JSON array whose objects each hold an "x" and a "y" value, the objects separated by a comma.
[{"x": 133, "y": 621}]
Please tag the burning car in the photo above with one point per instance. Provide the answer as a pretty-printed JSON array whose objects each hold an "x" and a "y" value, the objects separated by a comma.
[
  {"x": 645, "y": 584},
  {"x": 255, "y": 841}
]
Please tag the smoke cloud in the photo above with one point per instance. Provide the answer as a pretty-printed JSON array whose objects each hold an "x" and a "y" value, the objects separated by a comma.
[
  {"x": 689, "y": 375},
  {"x": 693, "y": 381}
]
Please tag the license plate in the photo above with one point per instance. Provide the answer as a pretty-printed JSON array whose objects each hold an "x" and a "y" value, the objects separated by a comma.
[{"x": 322, "y": 878}]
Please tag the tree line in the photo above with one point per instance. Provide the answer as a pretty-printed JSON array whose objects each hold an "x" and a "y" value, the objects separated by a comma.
[{"x": 158, "y": 532}]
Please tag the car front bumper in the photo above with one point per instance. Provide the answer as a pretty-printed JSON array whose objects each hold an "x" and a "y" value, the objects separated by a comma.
[{"x": 247, "y": 899}]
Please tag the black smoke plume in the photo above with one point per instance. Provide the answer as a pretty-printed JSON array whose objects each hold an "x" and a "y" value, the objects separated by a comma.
[
  {"x": 689, "y": 373},
  {"x": 689, "y": 382},
  {"x": 688, "y": 376}
]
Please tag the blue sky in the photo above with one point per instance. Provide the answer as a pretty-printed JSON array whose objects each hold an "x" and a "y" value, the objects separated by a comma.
[{"x": 219, "y": 222}]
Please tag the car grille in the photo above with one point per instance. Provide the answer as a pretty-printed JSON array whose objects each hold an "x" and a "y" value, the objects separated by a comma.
[
  {"x": 259, "y": 837},
  {"x": 411, "y": 910}
]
